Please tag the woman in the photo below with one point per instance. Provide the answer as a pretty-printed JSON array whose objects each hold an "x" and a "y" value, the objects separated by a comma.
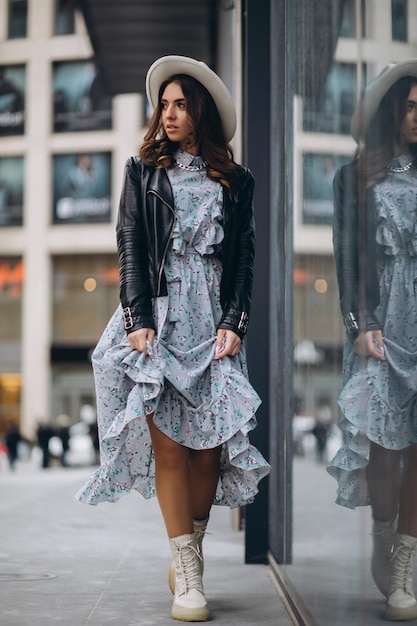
[
  {"x": 174, "y": 402},
  {"x": 375, "y": 243}
]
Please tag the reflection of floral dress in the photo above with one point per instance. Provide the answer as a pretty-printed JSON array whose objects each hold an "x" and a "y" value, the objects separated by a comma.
[
  {"x": 197, "y": 401},
  {"x": 379, "y": 400}
]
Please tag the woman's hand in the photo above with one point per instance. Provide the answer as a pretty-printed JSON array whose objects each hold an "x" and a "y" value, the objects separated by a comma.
[
  {"x": 370, "y": 344},
  {"x": 138, "y": 339},
  {"x": 227, "y": 343}
]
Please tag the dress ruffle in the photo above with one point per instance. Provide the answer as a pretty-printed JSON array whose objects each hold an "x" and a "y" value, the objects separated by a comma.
[
  {"x": 137, "y": 384},
  {"x": 371, "y": 411}
]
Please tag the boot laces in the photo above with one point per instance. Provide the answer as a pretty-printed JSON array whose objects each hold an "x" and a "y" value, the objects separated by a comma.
[
  {"x": 199, "y": 535},
  {"x": 188, "y": 560},
  {"x": 402, "y": 568}
]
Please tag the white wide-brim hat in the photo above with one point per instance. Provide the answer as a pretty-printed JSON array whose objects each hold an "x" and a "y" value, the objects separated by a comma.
[
  {"x": 167, "y": 66},
  {"x": 375, "y": 90}
]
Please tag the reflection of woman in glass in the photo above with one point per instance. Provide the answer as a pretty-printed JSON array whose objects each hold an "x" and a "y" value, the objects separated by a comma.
[
  {"x": 375, "y": 245},
  {"x": 174, "y": 403}
]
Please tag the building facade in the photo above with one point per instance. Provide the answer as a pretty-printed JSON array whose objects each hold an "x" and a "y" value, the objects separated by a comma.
[{"x": 63, "y": 144}]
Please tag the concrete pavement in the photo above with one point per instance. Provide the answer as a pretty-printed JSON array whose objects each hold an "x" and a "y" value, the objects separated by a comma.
[{"x": 69, "y": 564}]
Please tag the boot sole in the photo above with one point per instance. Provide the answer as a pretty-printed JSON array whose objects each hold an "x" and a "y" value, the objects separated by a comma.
[
  {"x": 395, "y": 614},
  {"x": 190, "y": 615}
]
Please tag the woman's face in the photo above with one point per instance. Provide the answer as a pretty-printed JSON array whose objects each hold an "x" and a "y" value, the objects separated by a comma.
[
  {"x": 408, "y": 128},
  {"x": 175, "y": 120}
]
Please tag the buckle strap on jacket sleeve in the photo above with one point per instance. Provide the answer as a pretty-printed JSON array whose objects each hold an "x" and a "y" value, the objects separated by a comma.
[
  {"x": 243, "y": 323},
  {"x": 351, "y": 323},
  {"x": 127, "y": 318}
]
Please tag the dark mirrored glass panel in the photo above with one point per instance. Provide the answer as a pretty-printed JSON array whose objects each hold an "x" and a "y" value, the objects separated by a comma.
[{"x": 344, "y": 417}]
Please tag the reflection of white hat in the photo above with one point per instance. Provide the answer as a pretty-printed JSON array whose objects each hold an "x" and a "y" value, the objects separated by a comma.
[
  {"x": 167, "y": 66},
  {"x": 376, "y": 89}
]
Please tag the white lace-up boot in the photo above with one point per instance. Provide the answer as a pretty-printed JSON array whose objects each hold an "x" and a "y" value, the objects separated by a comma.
[
  {"x": 401, "y": 602},
  {"x": 199, "y": 531},
  {"x": 189, "y": 602},
  {"x": 383, "y": 535}
]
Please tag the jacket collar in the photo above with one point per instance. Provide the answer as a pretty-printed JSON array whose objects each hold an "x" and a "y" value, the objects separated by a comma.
[{"x": 159, "y": 184}]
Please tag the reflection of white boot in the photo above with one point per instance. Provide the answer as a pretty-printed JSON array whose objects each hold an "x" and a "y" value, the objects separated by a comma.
[
  {"x": 401, "y": 602},
  {"x": 383, "y": 534},
  {"x": 199, "y": 531},
  {"x": 189, "y": 602}
]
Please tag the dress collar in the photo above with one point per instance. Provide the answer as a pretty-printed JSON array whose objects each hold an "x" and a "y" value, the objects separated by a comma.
[{"x": 186, "y": 159}]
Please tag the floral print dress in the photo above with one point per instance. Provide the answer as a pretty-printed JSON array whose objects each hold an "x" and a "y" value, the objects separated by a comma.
[
  {"x": 197, "y": 401},
  {"x": 379, "y": 398}
]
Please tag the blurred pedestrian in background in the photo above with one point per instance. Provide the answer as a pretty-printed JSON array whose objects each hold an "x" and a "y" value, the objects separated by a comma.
[
  {"x": 13, "y": 438},
  {"x": 63, "y": 423},
  {"x": 45, "y": 433}
]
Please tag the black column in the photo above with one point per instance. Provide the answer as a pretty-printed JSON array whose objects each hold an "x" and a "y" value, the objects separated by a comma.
[{"x": 268, "y": 519}]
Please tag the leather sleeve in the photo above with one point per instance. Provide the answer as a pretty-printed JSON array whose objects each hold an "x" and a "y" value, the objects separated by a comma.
[
  {"x": 135, "y": 292},
  {"x": 345, "y": 239},
  {"x": 346, "y": 252},
  {"x": 238, "y": 271}
]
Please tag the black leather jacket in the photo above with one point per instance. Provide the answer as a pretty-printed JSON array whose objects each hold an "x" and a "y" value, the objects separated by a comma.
[
  {"x": 145, "y": 223},
  {"x": 349, "y": 229}
]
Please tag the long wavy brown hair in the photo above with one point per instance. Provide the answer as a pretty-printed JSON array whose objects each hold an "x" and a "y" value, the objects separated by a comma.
[
  {"x": 158, "y": 151},
  {"x": 383, "y": 130}
]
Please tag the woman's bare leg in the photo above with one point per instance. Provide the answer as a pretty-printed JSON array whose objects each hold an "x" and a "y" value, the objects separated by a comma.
[
  {"x": 172, "y": 482},
  {"x": 204, "y": 468},
  {"x": 384, "y": 482}
]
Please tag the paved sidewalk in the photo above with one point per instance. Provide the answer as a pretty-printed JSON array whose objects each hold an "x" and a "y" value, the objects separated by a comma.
[{"x": 70, "y": 564}]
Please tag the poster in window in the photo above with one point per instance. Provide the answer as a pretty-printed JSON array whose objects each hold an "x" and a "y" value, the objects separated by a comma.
[
  {"x": 11, "y": 191},
  {"x": 82, "y": 190},
  {"x": 80, "y": 100},
  {"x": 12, "y": 99},
  {"x": 319, "y": 171}
]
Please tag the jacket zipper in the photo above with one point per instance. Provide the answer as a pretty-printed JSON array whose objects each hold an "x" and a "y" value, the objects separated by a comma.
[{"x": 169, "y": 238}]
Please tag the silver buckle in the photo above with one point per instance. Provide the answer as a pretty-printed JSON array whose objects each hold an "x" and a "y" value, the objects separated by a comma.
[
  {"x": 351, "y": 323},
  {"x": 127, "y": 318},
  {"x": 243, "y": 322}
]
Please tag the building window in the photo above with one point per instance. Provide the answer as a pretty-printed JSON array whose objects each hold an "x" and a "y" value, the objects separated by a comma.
[
  {"x": 11, "y": 191},
  {"x": 399, "y": 20},
  {"x": 18, "y": 12},
  {"x": 64, "y": 17},
  {"x": 332, "y": 112},
  {"x": 11, "y": 284},
  {"x": 81, "y": 188},
  {"x": 348, "y": 27},
  {"x": 12, "y": 99},
  {"x": 318, "y": 174},
  {"x": 80, "y": 99},
  {"x": 85, "y": 295}
]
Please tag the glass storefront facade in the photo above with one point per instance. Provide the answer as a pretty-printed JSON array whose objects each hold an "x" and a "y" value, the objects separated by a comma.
[
  {"x": 84, "y": 296},
  {"x": 11, "y": 285}
]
